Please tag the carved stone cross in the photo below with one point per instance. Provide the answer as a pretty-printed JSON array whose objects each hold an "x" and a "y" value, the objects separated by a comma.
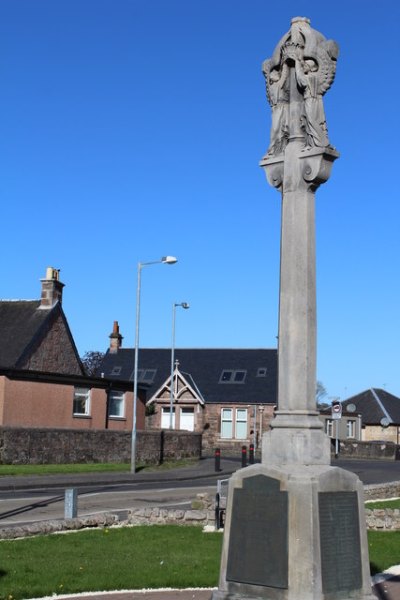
[{"x": 298, "y": 160}]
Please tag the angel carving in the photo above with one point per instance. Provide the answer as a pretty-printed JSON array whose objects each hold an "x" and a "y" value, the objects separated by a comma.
[
  {"x": 314, "y": 77},
  {"x": 313, "y": 59},
  {"x": 277, "y": 85}
]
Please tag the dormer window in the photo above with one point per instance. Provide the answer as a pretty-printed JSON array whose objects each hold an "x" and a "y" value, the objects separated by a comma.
[
  {"x": 231, "y": 376},
  {"x": 146, "y": 375}
]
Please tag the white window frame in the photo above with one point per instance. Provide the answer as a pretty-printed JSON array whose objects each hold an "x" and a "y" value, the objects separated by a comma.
[
  {"x": 351, "y": 428},
  {"x": 329, "y": 427},
  {"x": 81, "y": 394},
  {"x": 234, "y": 423},
  {"x": 116, "y": 398},
  {"x": 166, "y": 417},
  {"x": 239, "y": 423},
  {"x": 227, "y": 423}
]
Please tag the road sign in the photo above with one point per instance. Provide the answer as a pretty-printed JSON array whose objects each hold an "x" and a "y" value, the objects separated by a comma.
[{"x": 336, "y": 411}]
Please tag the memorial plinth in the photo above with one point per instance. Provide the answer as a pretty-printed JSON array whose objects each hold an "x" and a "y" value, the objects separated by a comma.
[{"x": 295, "y": 526}]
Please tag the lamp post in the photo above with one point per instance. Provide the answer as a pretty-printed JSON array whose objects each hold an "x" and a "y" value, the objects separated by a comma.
[
  {"x": 167, "y": 260},
  {"x": 171, "y": 401}
]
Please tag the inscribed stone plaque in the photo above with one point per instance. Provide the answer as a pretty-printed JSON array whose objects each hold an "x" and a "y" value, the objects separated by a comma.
[
  {"x": 340, "y": 541},
  {"x": 258, "y": 543}
]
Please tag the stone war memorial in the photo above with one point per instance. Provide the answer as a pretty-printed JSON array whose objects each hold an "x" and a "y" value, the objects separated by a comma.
[{"x": 295, "y": 525}]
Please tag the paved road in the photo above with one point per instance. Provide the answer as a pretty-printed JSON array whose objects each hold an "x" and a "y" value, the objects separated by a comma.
[
  {"x": 29, "y": 499},
  {"x": 25, "y": 500},
  {"x": 43, "y": 506}
]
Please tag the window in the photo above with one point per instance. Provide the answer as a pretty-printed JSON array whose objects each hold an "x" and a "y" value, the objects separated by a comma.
[
  {"x": 229, "y": 376},
  {"x": 81, "y": 406},
  {"x": 116, "y": 404},
  {"x": 115, "y": 371},
  {"x": 226, "y": 423},
  {"x": 241, "y": 423},
  {"x": 329, "y": 427},
  {"x": 351, "y": 428},
  {"x": 166, "y": 417},
  {"x": 234, "y": 429},
  {"x": 262, "y": 372},
  {"x": 146, "y": 375}
]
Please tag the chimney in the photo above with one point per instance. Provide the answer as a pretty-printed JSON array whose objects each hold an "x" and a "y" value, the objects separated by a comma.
[
  {"x": 115, "y": 339},
  {"x": 51, "y": 288}
]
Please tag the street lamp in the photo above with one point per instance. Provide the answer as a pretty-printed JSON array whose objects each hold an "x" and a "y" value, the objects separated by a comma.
[
  {"x": 171, "y": 401},
  {"x": 167, "y": 260}
]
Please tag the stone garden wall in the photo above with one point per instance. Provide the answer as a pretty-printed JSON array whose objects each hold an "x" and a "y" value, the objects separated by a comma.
[
  {"x": 370, "y": 450},
  {"x": 201, "y": 513},
  {"x": 20, "y": 445}
]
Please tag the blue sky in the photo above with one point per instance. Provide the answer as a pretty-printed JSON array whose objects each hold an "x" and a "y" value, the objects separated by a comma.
[{"x": 133, "y": 129}]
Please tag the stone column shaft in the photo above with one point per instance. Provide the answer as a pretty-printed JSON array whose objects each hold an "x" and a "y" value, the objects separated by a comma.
[{"x": 297, "y": 304}]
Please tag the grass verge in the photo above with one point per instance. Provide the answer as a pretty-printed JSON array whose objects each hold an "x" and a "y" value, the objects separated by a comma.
[
  {"x": 14, "y": 470},
  {"x": 109, "y": 559},
  {"x": 395, "y": 503}
]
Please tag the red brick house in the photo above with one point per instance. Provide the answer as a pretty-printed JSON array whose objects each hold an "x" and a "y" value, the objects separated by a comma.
[{"x": 42, "y": 379}]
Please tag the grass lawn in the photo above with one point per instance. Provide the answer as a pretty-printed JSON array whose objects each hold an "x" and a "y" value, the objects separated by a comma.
[
  {"x": 395, "y": 503},
  {"x": 384, "y": 550},
  {"x": 109, "y": 559},
  {"x": 13, "y": 470},
  {"x": 131, "y": 558}
]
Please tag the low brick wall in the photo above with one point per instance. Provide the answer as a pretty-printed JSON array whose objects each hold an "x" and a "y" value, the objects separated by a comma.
[{"x": 19, "y": 445}]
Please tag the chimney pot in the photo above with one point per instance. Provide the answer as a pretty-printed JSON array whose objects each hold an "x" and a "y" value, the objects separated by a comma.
[
  {"x": 52, "y": 288},
  {"x": 115, "y": 338}
]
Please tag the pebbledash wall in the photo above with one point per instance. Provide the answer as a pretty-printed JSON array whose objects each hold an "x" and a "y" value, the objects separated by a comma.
[{"x": 20, "y": 445}]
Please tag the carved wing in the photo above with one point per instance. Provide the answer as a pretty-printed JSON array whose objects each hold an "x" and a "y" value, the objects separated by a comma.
[
  {"x": 266, "y": 68},
  {"x": 327, "y": 54}
]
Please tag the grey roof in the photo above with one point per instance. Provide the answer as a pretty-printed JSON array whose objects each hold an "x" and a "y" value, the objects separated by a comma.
[
  {"x": 20, "y": 323},
  {"x": 375, "y": 404},
  {"x": 205, "y": 367}
]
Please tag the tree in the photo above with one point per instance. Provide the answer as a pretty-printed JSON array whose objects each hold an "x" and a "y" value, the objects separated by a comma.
[
  {"x": 91, "y": 361},
  {"x": 320, "y": 393}
]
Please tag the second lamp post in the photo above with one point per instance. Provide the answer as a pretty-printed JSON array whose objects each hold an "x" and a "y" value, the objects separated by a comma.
[{"x": 171, "y": 402}]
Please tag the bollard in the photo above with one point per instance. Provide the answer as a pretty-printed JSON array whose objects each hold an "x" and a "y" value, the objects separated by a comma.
[
  {"x": 217, "y": 459},
  {"x": 217, "y": 513},
  {"x": 71, "y": 504},
  {"x": 244, "y": 456},
  {"x": 251, "y": 454}
]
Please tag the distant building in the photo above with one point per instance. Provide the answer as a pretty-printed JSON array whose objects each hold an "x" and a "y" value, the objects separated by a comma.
[
  {"x": 380, "y": 412},
  {"x": 227, "y": 394},
  {"x": 348, "y": 427}
]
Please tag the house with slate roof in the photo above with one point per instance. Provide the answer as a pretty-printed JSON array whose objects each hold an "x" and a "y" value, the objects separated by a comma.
[
  {"x": 380, "y": 413},
  {"x": 35, "y": 334},
  {"x": 42, "y": 379},
  {"x": 228, "y": 394}
]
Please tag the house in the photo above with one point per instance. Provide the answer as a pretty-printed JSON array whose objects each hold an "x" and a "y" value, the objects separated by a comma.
[
  {"x": 37, "y": 399},
  {"x": 35, "y": 334},
  {"x": 347, "y": 427},
  {"x": 42, "y": 380},
  {"x": 380, "y": 412},
  {"x": 227, "y": 394}
]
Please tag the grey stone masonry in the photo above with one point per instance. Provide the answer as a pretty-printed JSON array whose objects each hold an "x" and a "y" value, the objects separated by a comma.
[{"x": 295, "y": 526}]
